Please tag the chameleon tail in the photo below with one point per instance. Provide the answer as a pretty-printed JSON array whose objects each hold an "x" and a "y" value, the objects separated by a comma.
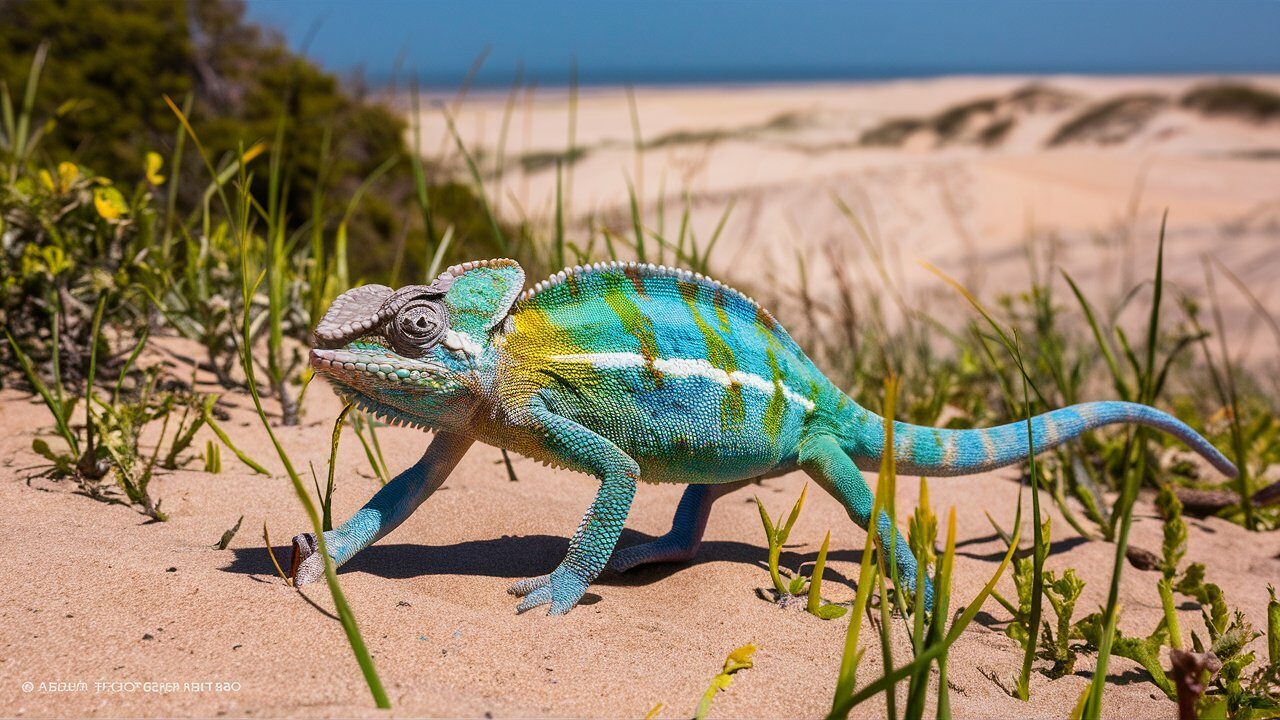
[{"x": 939, "y": 452}]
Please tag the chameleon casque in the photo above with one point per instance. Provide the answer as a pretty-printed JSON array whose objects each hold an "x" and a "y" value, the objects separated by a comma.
[{"x": 630, "y": 372}]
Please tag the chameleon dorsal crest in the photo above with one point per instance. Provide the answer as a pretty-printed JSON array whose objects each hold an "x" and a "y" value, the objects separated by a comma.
[{"x": 481, "y": 293}]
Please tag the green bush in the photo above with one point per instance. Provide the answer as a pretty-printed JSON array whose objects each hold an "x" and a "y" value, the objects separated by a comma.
[{"x": 112, "y": 62}]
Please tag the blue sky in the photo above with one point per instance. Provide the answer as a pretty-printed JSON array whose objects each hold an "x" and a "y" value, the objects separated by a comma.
[{"x": 616, "y": 41}]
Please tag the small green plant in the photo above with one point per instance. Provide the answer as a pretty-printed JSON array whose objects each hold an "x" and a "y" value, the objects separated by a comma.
[
  {"x": 185, "y": 433},
  {"x": 737, "y": 661},
  {"x": 1055, "y": 644},
  {"x": 815, "y": 606},
  {"x": 1230, "y": 690},
  {"x": 1144, "y": 651},
  {"x": 120, "y": 426},
  {"x": 777, "y": 536},
  {"x": 326, "y": 497},
  {"x": 212, "y": 458}
]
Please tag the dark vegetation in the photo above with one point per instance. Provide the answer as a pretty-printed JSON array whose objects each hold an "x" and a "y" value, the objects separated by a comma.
[
  {"x": 111, "y": 63},
  {"x": 547, "y": 159},
  {"x": 1234, "y": 99},
  {"x": 985, "y": 121},
  {"x": 1110, "y": 121}
]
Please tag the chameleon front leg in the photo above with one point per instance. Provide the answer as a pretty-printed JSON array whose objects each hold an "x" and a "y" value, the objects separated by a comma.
[
  {"x": 685, "y": 536},
  {"x": 577, "y": 447},
  {"x": 389, "y": 507},
  {"x": 827, "y": 463}
]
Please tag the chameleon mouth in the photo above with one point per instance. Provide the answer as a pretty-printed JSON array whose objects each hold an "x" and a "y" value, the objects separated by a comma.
[
  {"x": 370, "y": 362},
  {"x": 379, "y": 382}
]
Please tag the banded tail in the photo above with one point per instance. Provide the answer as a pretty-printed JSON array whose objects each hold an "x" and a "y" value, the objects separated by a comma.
[{"x": 937, "y": 452}]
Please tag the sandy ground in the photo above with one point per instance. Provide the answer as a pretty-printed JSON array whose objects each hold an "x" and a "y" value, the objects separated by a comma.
[
  {"x": 967, "y": 209},
  {"x": 93, "y": 593}
]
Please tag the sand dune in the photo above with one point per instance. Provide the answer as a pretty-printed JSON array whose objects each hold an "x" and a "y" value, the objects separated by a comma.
[{"x": 781, "y": 153}]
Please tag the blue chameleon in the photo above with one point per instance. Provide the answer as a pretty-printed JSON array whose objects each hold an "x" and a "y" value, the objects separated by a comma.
[{"x": 631, "y": 372}]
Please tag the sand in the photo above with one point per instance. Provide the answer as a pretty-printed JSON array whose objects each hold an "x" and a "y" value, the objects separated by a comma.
[{"x": 94, "y": 593}]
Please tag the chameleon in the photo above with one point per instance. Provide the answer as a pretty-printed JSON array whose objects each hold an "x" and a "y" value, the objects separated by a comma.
[{"x": 630, "y": 373}]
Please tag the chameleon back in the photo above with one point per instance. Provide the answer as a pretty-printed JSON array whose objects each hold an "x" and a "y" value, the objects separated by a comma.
[{"x": 690, "y": 377}]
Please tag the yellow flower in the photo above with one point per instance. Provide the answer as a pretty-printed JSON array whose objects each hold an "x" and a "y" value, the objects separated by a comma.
[
  {"x": 109, "y": 202},
  {"x": 154, "y": 163},
  {"x": 68, "y": 173}
]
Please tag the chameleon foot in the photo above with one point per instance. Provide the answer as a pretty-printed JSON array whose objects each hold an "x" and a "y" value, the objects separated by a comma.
[
  {"x": 307, "y": 566},
  {"x": 562, "y": 589}
]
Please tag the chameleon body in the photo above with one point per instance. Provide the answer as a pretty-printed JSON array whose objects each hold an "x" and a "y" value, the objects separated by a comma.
[{"x": 630, "y": 372}]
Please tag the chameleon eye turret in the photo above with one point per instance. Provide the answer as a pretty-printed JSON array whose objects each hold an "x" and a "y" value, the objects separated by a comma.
[{"x": 418, "y": 325}]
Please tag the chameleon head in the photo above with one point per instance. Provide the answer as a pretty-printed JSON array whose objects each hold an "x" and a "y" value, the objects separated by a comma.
[{"x": 418, "y": 355}]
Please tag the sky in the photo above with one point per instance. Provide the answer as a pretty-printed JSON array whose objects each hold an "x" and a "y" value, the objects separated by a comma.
[{"x": 665, "y": 41}]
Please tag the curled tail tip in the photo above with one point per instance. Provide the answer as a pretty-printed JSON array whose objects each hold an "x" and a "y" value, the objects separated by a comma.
[{"x": 1225, "y": 466}]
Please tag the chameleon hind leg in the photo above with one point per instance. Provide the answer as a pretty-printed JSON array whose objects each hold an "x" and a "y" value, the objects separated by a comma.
[
  {"x": 389, "y": 507},
  {"x": 827, "y": 463},
  {"x": 597, "y": 534},
  {"x": 685, "y": 536}
]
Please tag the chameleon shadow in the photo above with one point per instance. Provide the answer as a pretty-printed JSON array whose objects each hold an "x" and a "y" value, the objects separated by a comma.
[{"x": 513, "y": 556}]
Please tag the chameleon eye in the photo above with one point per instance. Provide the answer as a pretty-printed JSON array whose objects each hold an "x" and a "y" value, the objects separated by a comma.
[{"x": 419, "y": 325}]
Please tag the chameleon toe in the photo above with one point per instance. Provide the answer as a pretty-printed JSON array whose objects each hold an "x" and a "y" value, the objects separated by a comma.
[
  {"x": 561, "y": 589},
  {"x": 540, "y": 596},
  {"x": 528, "y": 585}
]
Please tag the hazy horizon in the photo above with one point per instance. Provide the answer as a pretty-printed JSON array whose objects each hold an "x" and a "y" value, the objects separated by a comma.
[{"x": 754, "y": 42}]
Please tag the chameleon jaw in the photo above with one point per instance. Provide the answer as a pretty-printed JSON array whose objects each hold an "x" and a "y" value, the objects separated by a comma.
[
  {"x": 366, "y": 365},
  {"x": 360, "y": 374}
]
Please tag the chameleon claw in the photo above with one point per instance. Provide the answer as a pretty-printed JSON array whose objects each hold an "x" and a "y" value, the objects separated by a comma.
[{"x": 561, "y": 589}]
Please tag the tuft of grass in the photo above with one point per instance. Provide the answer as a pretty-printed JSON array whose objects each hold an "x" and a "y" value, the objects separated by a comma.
[
  {"x": 938, "y": 637},
  {"x": 1128, "y": 496},
  {"x": 815, "y": 606},
  {"x": 1040, "y": 547},
  {"x": 212, "y": 458},
  {"x": 777, "y": 536},
  {"x": 1110, "y": 121}
]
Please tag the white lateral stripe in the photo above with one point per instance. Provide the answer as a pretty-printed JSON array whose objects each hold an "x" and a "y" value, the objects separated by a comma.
[{"x": 684, "y": 368}]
